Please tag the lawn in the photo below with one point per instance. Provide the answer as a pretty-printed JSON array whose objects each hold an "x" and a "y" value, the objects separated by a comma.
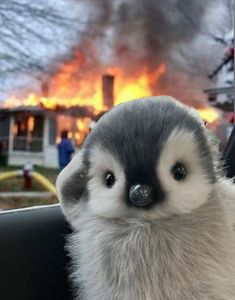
[{"x": 16, "y": 185}]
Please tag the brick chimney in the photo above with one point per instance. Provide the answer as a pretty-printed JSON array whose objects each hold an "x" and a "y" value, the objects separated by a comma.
[
  {"x": 45, "y": 89},
  {"x": 107, "y": 88}
]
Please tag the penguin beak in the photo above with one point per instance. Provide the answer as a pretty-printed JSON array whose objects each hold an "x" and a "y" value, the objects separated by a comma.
[{"x": 141, "y": 195}]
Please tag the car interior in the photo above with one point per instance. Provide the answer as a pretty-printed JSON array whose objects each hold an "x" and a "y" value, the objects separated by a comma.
[{"x": 33, "y": 260}]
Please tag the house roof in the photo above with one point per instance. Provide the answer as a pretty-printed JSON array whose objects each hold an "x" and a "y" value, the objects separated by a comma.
[
  {"x": 23, "y": 108},
  {"x": 76, "y": 111}
]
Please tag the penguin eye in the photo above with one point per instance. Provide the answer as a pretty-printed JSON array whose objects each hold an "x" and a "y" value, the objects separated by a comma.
[
  {"x": 179, "y": 171},
  {"x": 109, "y": 179}
]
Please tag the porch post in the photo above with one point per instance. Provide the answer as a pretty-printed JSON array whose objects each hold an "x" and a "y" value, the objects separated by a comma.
[{"x": 11, "y": 135}]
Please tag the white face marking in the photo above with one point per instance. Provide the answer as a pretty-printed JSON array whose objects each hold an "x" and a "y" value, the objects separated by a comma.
[
  {"x": 106, "y": 201},
  {"x": 183, "y": 196}
]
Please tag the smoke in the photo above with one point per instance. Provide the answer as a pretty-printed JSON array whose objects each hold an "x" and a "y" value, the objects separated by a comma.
[
  {"x": 146, "y": 28},
  {"x": 180, "y": 33},
  {"x": 150, "y": 28}
]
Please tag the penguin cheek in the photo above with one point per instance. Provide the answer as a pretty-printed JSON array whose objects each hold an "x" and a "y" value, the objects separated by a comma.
[{"x": 106, "y": 201}]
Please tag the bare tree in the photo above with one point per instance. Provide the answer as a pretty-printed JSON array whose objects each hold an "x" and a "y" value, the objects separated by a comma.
[{"x": 32, "y": 32}]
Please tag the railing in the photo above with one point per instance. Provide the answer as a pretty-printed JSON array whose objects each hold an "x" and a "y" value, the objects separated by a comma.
[{"x": 27, "y": 144}]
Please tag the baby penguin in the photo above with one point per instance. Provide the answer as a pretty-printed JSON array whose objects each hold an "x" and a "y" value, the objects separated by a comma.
[{"x": 149, "y": 209}]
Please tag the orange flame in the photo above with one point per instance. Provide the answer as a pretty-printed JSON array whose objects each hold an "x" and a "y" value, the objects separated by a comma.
[
  {"x": 15, "y": 129},
  {"x": 31, "y": 123},
  {"x": 71, "y": 86},
  {"x": 209, "y": 114},
  {"x": 137, "y": 86},
  {"x": 75, "y": 84}
]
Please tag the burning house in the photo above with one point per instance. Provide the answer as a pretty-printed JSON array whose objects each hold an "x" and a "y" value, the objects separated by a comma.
[
  {"x": 31, "y": 132},
  {"x": 30, "y": 125},
  {"x": 72, "y": 99},
  {"x": 141, "y": 46}
]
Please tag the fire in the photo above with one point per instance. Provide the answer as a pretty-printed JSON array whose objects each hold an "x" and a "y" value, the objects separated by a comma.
[
  {"x": 208, "y": 114},
  {"x": 70, "y": 87},
  {"x": 30, "y": 100},
  {"x": 137, "y": 86},
  {"x": 15, "y": 130},
  {"x": 31, "y": 123},
  {"x": 74, "y": 85},
  {"x": 77, "y": 128}
]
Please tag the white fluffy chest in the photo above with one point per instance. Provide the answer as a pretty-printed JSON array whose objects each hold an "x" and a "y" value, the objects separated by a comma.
[{"x": 142, "y": 261}]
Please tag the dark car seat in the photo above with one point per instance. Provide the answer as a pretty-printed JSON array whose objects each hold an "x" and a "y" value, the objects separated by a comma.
[
  {"x": 33, "y": 262},
  {"x": 229, "y": 155}
]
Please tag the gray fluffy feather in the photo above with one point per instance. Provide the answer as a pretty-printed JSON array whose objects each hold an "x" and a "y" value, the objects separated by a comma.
[{"x": 189, "y": 256}]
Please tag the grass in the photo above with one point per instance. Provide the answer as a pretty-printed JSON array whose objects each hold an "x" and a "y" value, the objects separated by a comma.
[
  {"x": 16, "y": 185},
  {"x": 13, "y": 203}
]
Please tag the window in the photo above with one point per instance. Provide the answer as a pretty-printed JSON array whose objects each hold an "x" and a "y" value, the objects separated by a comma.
[{"x": 28, "y": 133}]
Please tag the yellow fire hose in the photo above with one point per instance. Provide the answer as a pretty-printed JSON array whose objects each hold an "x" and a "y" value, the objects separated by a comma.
[
  {"x": 44, "y": 182},
  {"x": 37, "y": 176},
  {"x": 10, "y": 174}
]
